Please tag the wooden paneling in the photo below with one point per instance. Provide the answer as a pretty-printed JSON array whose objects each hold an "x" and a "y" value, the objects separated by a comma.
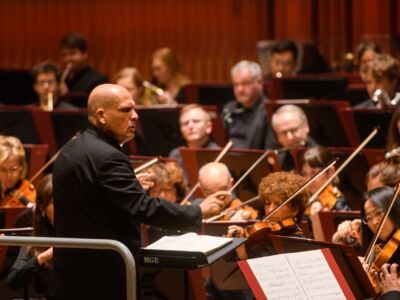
[{"x": 209, "y": 36}]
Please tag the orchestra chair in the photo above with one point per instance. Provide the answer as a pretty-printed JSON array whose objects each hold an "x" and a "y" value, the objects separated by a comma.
[
  {"x": 327, "y": 126},
  {"x": 159, "y": 129},
  {"x": 238, "y": 161},
  {"x": 366, "y": 119},
  {"x": 351, "y": 183}
]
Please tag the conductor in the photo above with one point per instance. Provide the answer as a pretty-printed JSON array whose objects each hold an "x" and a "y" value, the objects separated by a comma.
[{"x": 97, "y": 195}]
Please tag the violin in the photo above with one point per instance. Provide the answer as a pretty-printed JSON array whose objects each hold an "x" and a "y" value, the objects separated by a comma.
[
  {"x": 260, "y": 231},
  {"x": 383, "y": 256},
  {"x": 24, "y": 195},
  {"x": 327, "y": 198}
]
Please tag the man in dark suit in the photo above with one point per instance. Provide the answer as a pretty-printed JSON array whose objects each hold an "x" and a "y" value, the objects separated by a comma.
[
  {"x": 97, "y": 195},
  {"x": 245, "y": 118}
]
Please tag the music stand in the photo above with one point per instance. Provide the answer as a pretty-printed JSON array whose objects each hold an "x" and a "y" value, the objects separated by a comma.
[
  {"x": 345, "y": 256},
  {"x": 205, "y": 93},
  {"x": 16, "y": 87},
  {"x": 330, "y": 220}
]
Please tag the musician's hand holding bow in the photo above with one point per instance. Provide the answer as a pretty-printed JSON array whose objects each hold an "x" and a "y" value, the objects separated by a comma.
[
  {"x": 214, "y": 203},
  {"x": 146, "y": 180},
  {"x": 235, "y": 231}
]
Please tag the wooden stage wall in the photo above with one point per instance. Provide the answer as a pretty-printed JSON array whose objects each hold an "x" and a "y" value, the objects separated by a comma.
[{"x": 209, "y": 36}]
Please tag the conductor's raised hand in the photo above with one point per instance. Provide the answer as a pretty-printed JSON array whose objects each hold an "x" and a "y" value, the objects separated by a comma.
[{"x": 214, "y": 203}]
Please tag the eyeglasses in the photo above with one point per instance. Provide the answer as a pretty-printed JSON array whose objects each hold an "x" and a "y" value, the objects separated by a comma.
[
  {"x": 13, "y": 170},
  {"x": 43, "y": 82},
  {"x": 293, "y": 131},
  {"x": 376, "y": 215}
]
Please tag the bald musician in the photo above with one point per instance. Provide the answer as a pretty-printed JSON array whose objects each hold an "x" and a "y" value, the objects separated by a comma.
[
  {"x": 97, "y": 195},
  {"x": 215, "y": 177}
]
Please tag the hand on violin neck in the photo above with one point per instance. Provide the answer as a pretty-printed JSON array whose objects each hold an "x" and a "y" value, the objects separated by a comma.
[
  {"x": 214, "y": 203},
  {"x": 389, "y": 278}
]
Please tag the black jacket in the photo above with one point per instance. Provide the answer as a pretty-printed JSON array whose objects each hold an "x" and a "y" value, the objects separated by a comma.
[
  {"x": 258, "y": 132},
  {"x": 96, "y": 195}
]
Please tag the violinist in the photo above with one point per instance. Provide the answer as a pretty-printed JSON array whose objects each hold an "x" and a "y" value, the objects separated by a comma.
[
  {"x": 384, "y": 173},
  {"x": 214, "y": 177},
  {"x": 375, "y": 205},
  {"x": 273, "y": 190},
  {"x": 15, "y": 190},
  {"x": 314, "y": 159}
]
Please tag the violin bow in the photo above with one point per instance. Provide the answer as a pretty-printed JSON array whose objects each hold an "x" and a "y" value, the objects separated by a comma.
[
  {"x": 146, "y": 165},
  {"x": 370, "y": 248},
  {"x": 197, "y": 185},
  {"x": 314, "y": 197}
]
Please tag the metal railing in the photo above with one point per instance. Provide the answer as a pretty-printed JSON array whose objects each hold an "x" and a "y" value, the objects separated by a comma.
[{"x": 83, "y": 244}]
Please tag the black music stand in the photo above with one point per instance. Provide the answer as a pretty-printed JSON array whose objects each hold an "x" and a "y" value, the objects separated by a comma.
[
  {"x": 157, "y": 267},
  {"x": 345, "y": 256},
  {"x": 16, "y": 87},
  {"x": 19, "y": 122}
]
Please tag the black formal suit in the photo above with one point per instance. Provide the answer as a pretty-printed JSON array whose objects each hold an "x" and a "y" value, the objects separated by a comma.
[
  {"x": 249, "y": 128},
  {"x": 393, "y": 295},
  {"x": 97, "y": 195}
]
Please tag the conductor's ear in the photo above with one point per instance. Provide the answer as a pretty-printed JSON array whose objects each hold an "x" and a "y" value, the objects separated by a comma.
[{"x": 100, "y": 116}]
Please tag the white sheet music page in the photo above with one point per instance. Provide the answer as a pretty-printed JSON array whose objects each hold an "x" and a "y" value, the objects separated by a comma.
[
  {"x": 276, "y": 277},
  {"x": 315, "y": 275},
  {"x": 301, "y": 275},
  {"x": 190, "y": 242}
]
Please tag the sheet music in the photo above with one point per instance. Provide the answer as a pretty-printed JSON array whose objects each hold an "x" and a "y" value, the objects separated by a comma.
[
  {"x": 190, "y": 242},
  {"x": 315, "y": 275},
  {"x": 301, "y": 275},
  {"x": 276, "y": 277}
]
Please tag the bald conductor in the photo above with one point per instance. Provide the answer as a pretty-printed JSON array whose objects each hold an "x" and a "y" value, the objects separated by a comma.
[{"x": 97, "y": 195}]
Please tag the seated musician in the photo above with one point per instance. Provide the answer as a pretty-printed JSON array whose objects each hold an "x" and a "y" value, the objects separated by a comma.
[
  {"x": 375, "y": 205},
  {"x": 314, "y": 160},
  {"x": 196, "y": 126},
  {"x": 274, "y": 189},
  {"x": 214, "y": 177},
  {"x": 132, "y": 80},
  {"x": 383, "y": 72},
  {"x": 291, "y": 129},
  {"x": 15, "y": 190},
  {"x": 34, "y": 263},
  {"x": 46, "y": 78},
  {"x": 167, "y": 75},
  {"x": 283, "y": 59},
  {"x": 393, "y": 138},
  {"x": 81, "y": 77},
  {"x": 168, "y": 185},
  {"x": 383, "y": 173}
]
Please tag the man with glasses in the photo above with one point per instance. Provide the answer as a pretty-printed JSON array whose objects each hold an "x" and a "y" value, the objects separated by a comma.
[
  {"x": 46, "y": 80},
  {"x": 291, "y": 129},
  {"x": 283, "y": 59}
]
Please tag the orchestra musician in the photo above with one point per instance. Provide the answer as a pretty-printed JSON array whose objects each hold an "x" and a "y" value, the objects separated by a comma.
[
  {"x": 383, "y": 173},
  {"x": 35, "y": 263},
  {"x": 132, "y": 80},
  {"x": 283, "y": 59},
  {"x": 81, "y": 76},
  {"x": 372, "y": 212},
  {"x": 97, "y": 195},
  {"x": 273, "y": 190},
  {"x": 46, "y": 78},
  {"x": 15, "y": 190},
  {"x": 291, "y": 129},
  {"x": 314, "y": 159},
  {"x": 167, "y": 75},
  {"x": 214, "y": 177}
]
